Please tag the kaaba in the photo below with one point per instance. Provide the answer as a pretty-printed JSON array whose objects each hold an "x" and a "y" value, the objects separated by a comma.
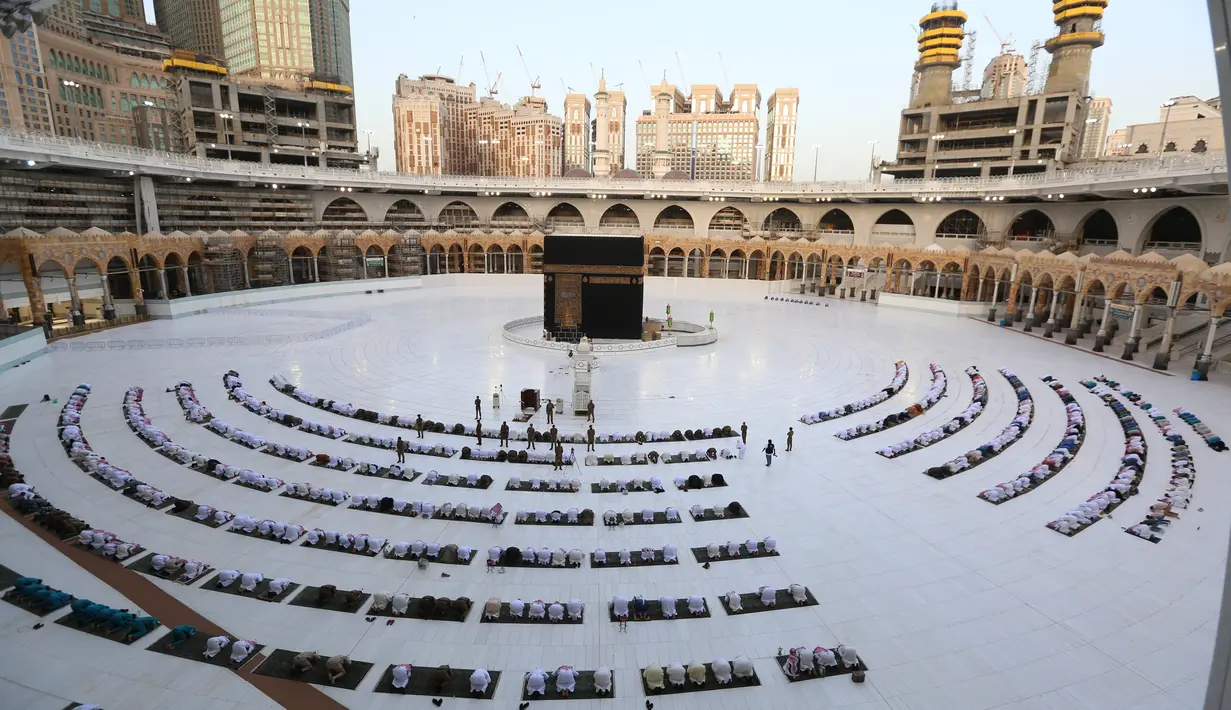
[{"x": 593, "y": 286}]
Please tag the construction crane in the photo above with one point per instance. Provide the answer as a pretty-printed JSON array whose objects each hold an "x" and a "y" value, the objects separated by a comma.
[
  {"x": 488, "y": 86},
  {"x": 968, "y": 61},
  {"x": 534, "y": 83},
  {"x": 461, "y": 62},
  {"x": 678, "y": 63},
  {"x": 1006, "y": 45},
  {"x": 725, "y": 79}
]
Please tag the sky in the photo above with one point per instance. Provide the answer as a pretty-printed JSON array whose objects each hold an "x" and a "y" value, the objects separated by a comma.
[{"x": 851, "y": 61}]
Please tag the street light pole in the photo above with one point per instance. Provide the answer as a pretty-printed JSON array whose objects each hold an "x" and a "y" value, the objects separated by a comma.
[
  {"x": 303, "y": 132},
  {"x": 936, "y": 159},
  {"x": 816, "y": 157},
  {"x": 1162, "y": 141},
  {"x": 872, "y": 161},
  {"x": 226, "y": 134},
  {"x": 1013, "y": 150}
]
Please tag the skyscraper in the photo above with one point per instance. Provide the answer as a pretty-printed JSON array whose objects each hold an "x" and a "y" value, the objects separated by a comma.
[
  {"x": 331, "y": 48},
  {"x": 703, "y": 137},
  {"x": 1005, "y": 77},
  {"x": 781, "y": 118},
  {"x": 1094, "y": 134},
  {"x": 127, "y": 10},
  {"x": 192, "y": 24},
  {"x": 576, "y": 132},
  {"x": 269, "y": 39},
  {"x": 429, "y": 124}
]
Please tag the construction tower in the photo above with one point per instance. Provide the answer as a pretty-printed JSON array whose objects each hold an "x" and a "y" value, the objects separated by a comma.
[
  {"x": 1079, "y": 25},
  {"x": 940, "y": 48}
]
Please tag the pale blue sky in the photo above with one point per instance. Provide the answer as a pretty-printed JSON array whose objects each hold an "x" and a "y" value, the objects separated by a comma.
[{"x": 851, "y": 61}]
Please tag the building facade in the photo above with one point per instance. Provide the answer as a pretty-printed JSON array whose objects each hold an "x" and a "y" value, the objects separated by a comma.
[
  {"x": 25, "y": 91},
  {"x": 703, "y": 137},
  {"x": 269, "y": 39},
  {"x": 429, "y": 125},
  {"x": 192, "y": 24},
  {"x": 781, "y": 120},
  {"x": 577, "y": 136},
  {"x": 1094, "y": 139},
  {"x": 1188, "y": 125},
  {"x": 331, "y": 44},
  {"x": 611, "y": 107},
  {"x": 1006, "y": 77}
]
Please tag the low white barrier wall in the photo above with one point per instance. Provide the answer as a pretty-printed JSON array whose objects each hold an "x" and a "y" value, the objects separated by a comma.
[
  {"x": 932, "y": 305},
  {"x": 17, "y": 349},
  {"x": 192, "y": 305}
]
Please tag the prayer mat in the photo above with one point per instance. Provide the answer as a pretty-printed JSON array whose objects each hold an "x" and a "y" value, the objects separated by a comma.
[
  {"x": 711, "y": 683},
  {"x": 259, "y": 592},
  {"x": 533, "y": 520},
  {"x": 506, "y": 617},
  {"x": 421, "y": 682},
  {"x": 306, "y": 499},
  {"x": 339, "y": 467},
  {"x": 7, "y": 576},
  {"x": 750, "y": 603},
  {"x": 654, "y": 611},
  {"x": 256, "y": 534},
  {"x": 535, "y": 565},
  {"x": 131, "y": 494},
  {"x": 613, "y": 560},
  {"x": 828, "y": 672},
  {"x": 118, "y": 636},
  {"x": 194, "y": 650},
  {"x": 438, "y": 516},
  {"x": 448, "y": 556},
  {"x": 708, "y": 514},
  {"x": 659, "y": 518},
  {"x": 413, "y": 612},
  {"x": 307, "y": 598},
  {"x": 145, "y": 565},
  {"x": 582, "y": 690},
  {"x": 527, "y": 486},
  {"x": 190, "y": 513},
  {"x": 703, "y": 556},
  {"x": 278, "y": 665},
  {"x": 461, "y": 483},
  {"x": 28, "y": 606}
]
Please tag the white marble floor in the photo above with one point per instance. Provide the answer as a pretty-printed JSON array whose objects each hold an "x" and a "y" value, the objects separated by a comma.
[{"x": 953, "y": 603}]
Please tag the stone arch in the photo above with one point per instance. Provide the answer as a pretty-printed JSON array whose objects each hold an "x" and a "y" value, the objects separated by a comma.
[
  {"x": 812, "y": 265},
  {"x": 197, "y": 281},
  {"x": 656, "y": 262},
  {"x": 895, "y": 216},
  {"x": 962, "y": 224},
  {"x": 304, "y": 268},
  {"x": 1098, "y": 228},
  {"x": 729, "y": 219},
  {"x": 536, "y": 258},
  {"x": 674, "y": 218},
  {"x": 374, "y": 257},
  {"x": 973, "y": 283},
  {"x": 118, "y": 278},
  {"x": 494, "y": 259},
  {"x": 677, "y": 262},
  {"x": 1032, "y": 225},
  {"x": 436, "y": 260},
  {"x": 619, "y": 216},
  {"x": 782, "y": 219},
  {"x": 173, "y": 272},
  {"x": 717, "y": 264},
  {"x": 510, "y": 214},
  {"x": 565, "y": 215},
  {"x": 695, "y": 258},
  {"x": 755, "y": 259},
  {"x": 777, "y": 265},
  {"x": 344, "y": 210},
  {"x": 736, "y": 264},
  {"x": 476, "y": 259},
  {"x": 836, "y": 220},
  {"x": 516, "y": 259},
  {"x": 458, "y": 213},
  {"x": 1171, "y": 228},
  {"x": 795, "y": 266},
  {"x": 404, "y": 213}
]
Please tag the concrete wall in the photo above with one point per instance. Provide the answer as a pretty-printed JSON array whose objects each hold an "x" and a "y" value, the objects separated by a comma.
[
  {"x": 20, "y": 348},
  {"x": 192, "y": 305},
  {"x": 931, "y": 305}
]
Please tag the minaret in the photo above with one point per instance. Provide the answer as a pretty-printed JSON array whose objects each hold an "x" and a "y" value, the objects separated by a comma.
[
  {"x": 940, "y": 48},
  {"x": 1080, "y": 31},
  {"x": 602, "y": 120},
  {"x": 663, "y": 96}
]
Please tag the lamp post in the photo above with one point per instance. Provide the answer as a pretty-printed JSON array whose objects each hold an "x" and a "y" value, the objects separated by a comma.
[
  {"x": 303, "y": 133},
  {"x": 70, "y": 85},
  {"x": 369, "y": 135},
  {"x": 1162, "y": 141},
  {"x": 872, "y": 160},
  {"x": 816, "y": 157},
  {"x": 226, "y": 134},
  {"x": 935, "y": 159},
  {"x": 1013, "y": 150},
  {"x": 756, "y": 164}
]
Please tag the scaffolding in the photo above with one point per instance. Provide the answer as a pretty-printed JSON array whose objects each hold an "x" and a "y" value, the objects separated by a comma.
[
  {"x": 224, "y": 265},
  {"x": 269, "y": 264},
  {"x": 340, "y": 260},
  {"x": 406, "y": 257},
  {"x": 271, "y": 114}
]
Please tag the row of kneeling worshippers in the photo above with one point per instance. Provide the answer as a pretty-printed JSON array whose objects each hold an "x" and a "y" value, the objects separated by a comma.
[
  {"x": 940, "y": 433},
  {"x": 248, "y": 582},
  {"x": 1213, "y": 440},
  {"x": 480, "y": 678},
  {"x": 654, "y": 483},
  {"x": 565, "y": 678},
  {"x": 572, "y": 516},
  {"x": 1128, "y": 476},
  {"x": 276, "y": 529},
  {"x": 540, "y": 484},
  {"x": 537, "y": 609},
  {"x": 429, "y": 607},
  {"x": 900, "y": 373},
  {"x": 193, "y": 410},
  {"x": 939, "y": 384},
  {"x": 1008, "y": 435},
  {"x": 110, "y": 621},
  {"x": 802, "y": 662},
  {"x": 656, "y": 677},
  {"x": 714, "y": 550},
  {"x": 769, "y": 597},
  {"x": 470, "y": 480},
  {"x": 639, "y": 609},
  {"x": 1052, "y": 463},
  {"x": 361, "y": 542},
  {"x": 431, "y": 550},
  {"x": 417, "y": 508},
  {"x": 178, "y": 568},
  {"x": 544, "y": 556},
  {"x": 107, "y": 544},
  {"x": 628, "y": 517}
]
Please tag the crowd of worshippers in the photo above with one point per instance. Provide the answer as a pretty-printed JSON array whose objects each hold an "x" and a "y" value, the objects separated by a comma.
[
  {"x": 417, "y": 508},
  {"x": 248, "y": 581},
  {"x": 41, "y": 598},
  {"x": 363, "y": 468},
  {"x": 110, "y": 621},
  {"x": 768, "y": 595},
  {"x": 474, "y": 480},
  {"x": 194, "y": 411},
  {"x": 180, "y": 569},
  {"x": 107, "y": 544},
  {"x": 801, "y": 662},
  {"x": 1214, "y": 441},
  {"x": 279, "y": 530},
  {"x": 1008, "y": 435},
  {"x": 565, "y": 679},
  {"x": 257, "y": 480},
  {"x": 560, "y": 483},
  {"x": 622, "y": 608},
  {"x": 538, "y": 609},
  {"x": 900, "y": 374},
  {"x": 572, "y": 516},
  {"x": 240, "y": 649},
  {"x": 977, "y": 402},
  {"x": 646, "y": 555},
  {"x": 734, "y": 509},
  {"x": 715, "y": 550},
  {"x": 628, "y": 517},
  {"x": 656, "y": 677},
  {"x": 28, "y": 502},
  {"x": 1127, "y": 478},
  {"x": 134, "y": 411},
  {"x": 1074, "y": 433},
  {"x": 937, "y": 390},
  {"x": 316, "y": 494},
  {"x": 347, "y": 542},
  {"x": 431, "y": 550},
  {"x": 442, "y": 676},
  {"x": 256, "y": 441},
  {"x": 428, "y": 607},
  {"x": 335, "y": 666},
  {"x": 542, "y": 556},
  {"x": 207, "y": 514},
  {"x": 655, "y": 483}
]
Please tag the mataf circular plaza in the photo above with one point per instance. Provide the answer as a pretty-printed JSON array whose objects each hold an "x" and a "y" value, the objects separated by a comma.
[{"x": 983, "y": 492}]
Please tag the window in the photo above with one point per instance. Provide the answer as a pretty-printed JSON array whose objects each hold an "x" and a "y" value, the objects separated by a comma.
[{"x": 134, "y": 81}]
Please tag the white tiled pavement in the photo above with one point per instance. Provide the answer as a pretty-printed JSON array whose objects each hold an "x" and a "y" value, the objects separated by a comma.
[{"x": 952, "y": 602}]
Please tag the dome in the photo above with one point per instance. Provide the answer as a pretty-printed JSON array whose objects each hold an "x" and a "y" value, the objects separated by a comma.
[
  {"x": 990, "y": 250},
  {"x": 960, "y": 249},
  {"x": 1118, "y": 255},
  {"x": 676, "y": 175},
  {"x": 934, "y": 248},
  {"x": 627, "y": 174},
  {"x": 1189, "y": 264},
  {"x": 1069, "y": 257},
  {"x": 577, "y": 173},
  {"x": 1152, "y": 257}
]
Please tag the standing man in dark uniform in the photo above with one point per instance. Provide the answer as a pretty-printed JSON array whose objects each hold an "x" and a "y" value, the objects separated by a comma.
[
  {"x": 743, "y": 432},
  {"x": 478, "y": 408},
  {"x": 478, "y": 431},
  {"x": 504, "y": 433},
  {"x": 555, "y": 435},
  {"x": 551, "y": 410},
  {"x": 590, "y": 411},
  {"x": 559, "y": 458},
  {"x": 590, "y": 438},
  {"x": 790, "y": 438},
  {"x": 530, "y": 435},
  {"x": 401, "y": 450},
  {"x": 419, "y": 424}
]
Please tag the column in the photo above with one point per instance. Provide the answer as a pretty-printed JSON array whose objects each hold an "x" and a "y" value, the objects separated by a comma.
[
  {"x": 187, "y": 286},
  {"x": 1034, "y": 292},
  {"x": 316, "y": 271},
  {"x": 1100, "y": 338},
  {"x": 1163, "y": 356},
  {"x": 385, "y": 263},
  {"x": 244, "y": 266},
  {"x": 726, "y": 267},
  {"x": 979, "y": 297},
  {"x": 1050, "y": 327},
  {"x": 1134, "y": 333},
  {"x": 290, "y": 265},
  {"x": 936, "y": 290},
  {"x": 363, "y": 266},
  {"x": 134, "y": 280},
  {"x": 704, "y": 270},
  {"x": 991, "y": 311},
  {"x": 34, "y": 292},
  {"x": 1076, "y": 314},
  {"x": 108, "y": 306},
  {"x": 1205, "y": 359},
  {"x": 164, "y": 294}
]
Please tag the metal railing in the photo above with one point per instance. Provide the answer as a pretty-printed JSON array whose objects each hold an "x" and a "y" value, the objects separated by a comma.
[{"x": 23, "y": 146}]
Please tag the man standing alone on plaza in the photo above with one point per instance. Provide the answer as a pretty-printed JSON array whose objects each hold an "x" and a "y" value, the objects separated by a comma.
[
  {"x": 419, "y": 424},
  {"x": 504, "y": 433},
  {"x": 478, "y": 408},
  {"x": 590, "y": 411},
  {"x": 559, "y": 464},
  {"x": 401, "y": 450},
  {"x": 590, "y": 438},
  {"x": 743, "y": 432},
  {"x": 790, "y": 438},
  {"x": 530, "y": 434},
  {"x": 551, "y": 410},
  {"x": 770, "y": 452}
]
